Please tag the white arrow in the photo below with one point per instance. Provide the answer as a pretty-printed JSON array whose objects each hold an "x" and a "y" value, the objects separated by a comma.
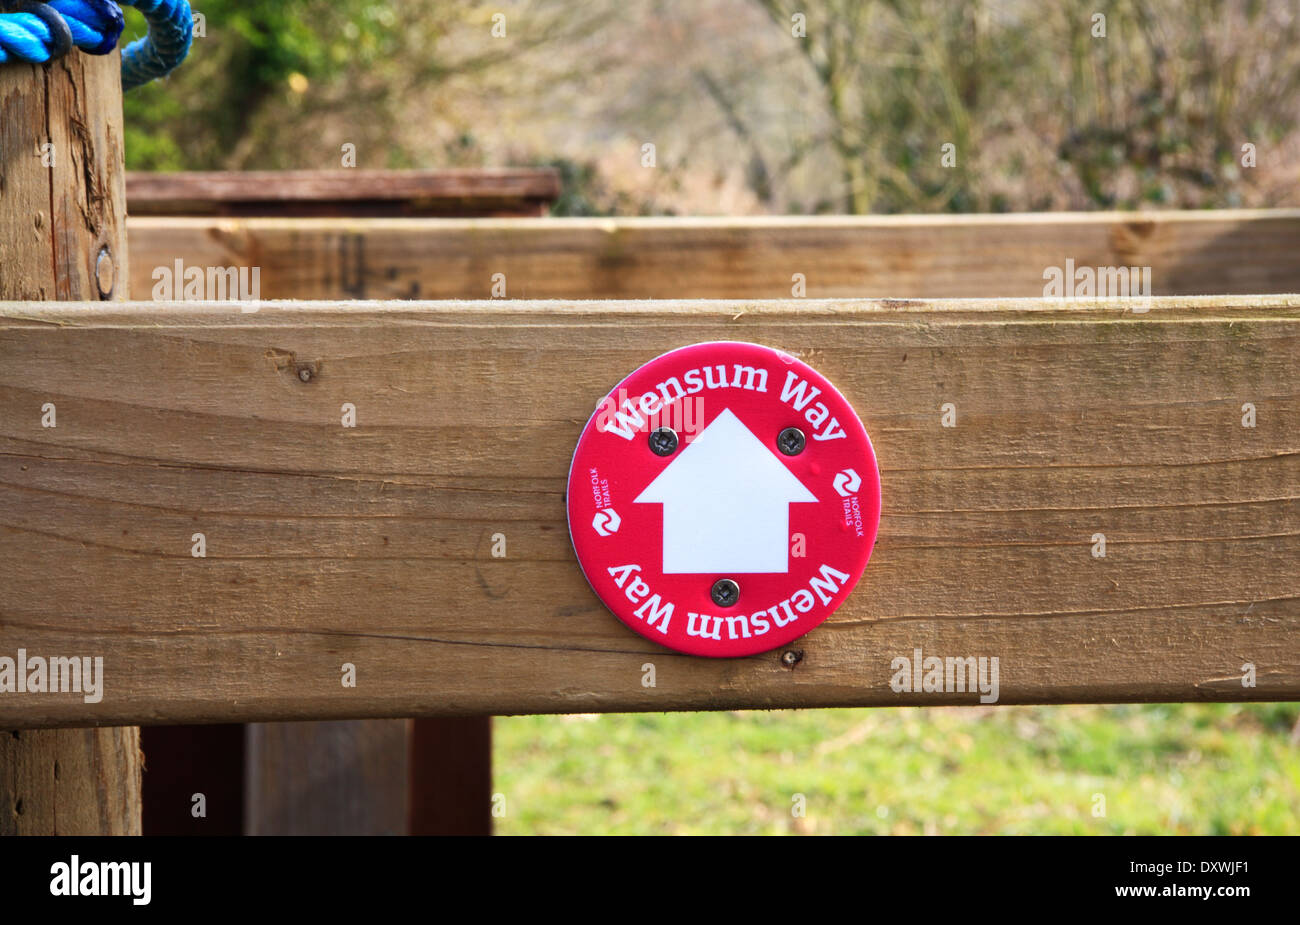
[{"x": 726, "y": 501}]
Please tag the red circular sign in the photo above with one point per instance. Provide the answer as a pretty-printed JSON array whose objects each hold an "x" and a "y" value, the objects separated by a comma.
[{"x": 723, "y": 499}]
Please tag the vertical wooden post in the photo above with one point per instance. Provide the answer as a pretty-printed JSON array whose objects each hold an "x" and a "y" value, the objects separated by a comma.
[
  {"x": 345, "y": 777},
  {"x": 451, "y": 776},
  {"x": 62, "y": 236}
]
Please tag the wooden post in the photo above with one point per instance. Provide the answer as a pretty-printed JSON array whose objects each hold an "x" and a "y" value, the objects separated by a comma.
[
  {"x": 330, "y": 778},
  {"x": 451, "y": 776},
  {"x": 62, "y": 236}
]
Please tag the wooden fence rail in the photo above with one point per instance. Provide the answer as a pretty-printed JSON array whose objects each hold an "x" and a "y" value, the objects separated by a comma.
[
  {"x": 948, "y": 256},
  {"x": 372, "y": 546},
  {"x": 443, "y": 192}
]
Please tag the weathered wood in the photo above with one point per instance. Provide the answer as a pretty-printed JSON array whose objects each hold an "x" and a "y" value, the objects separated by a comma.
[
  {"x": 26, "y": 244},
  {"x": 372, "y": 546},
  {"x": 948, "y": 256},
  {"x": 337, "y": 778},
  {"x": 61, "y": 186},
  {"x": 62, "y": 236},
  {"x": 70, "y": 781},
  {"x": 346, "y": 191}
]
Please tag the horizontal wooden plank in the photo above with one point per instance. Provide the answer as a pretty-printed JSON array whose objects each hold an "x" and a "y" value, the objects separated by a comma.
[
  {"x": 373, "y": 545},
  {"x": 984, "y": 256},
  {"x": 459, "y": 192}
]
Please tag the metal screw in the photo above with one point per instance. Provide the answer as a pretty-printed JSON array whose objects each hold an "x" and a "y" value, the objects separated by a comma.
[
  {"x": 791, "y": 441},
  {"x": 663, "y": 441},
  {"x": 791, "y": 657},
  {"x": 105, "y": 273},
  {"x": 304, "y": 373},
  {"x": 725, "y": 592}
]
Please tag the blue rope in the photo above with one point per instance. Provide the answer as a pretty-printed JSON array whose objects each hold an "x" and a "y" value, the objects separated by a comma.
[
  {"x": 95, "y": 26},
  {"x": 171, "y": 26}
]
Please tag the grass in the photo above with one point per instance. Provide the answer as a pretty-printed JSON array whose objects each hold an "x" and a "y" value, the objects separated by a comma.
[{"x": 1166, "y": 768}]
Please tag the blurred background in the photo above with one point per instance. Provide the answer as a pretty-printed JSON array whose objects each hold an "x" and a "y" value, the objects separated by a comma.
[{"x": 747, "y": 117}]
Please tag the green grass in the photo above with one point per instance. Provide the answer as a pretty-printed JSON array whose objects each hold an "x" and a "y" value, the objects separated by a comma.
[{"x": 1167, "y": 768}]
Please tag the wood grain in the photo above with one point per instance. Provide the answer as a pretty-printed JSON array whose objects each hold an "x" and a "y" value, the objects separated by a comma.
[
  {"x": 27, "y": 244},
  {"x": 327, "y": 778},
  {"x": 61, "y": 207},
  {"x": 372, "y": 545},
  {"x": 70, "y": 781},
  {"x": 467, "y": 192},
  {"x": 948, "y": 256}
]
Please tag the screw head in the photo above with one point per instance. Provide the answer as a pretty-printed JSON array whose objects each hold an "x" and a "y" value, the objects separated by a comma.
[
  {"x": 663, "y": 441},
  {"x": 304, "y": 373},
  {"x": 791, "y": 657},
  {"x": 105, "y": 273},
  {"x": 791, "y": 441},
  {"x": 725, "y": 592}
]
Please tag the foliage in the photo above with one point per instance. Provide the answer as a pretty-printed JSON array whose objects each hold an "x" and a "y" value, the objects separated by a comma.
[
  {"x": 1042, "y": 112},
  {"x": 1162, "y": 768},
  {"x": 256, "y": 54},
  {"x": 271, "y": 74},
  {"x": 1150, "y": 104}
]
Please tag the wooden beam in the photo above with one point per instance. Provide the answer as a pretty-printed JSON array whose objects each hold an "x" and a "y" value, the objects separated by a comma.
[
  {"x": 62, "y": 236},
  {"x": 352, "y": 192},
  {"x": 371, "y": 546},
  {"x": 330, "y": 778},
  {"x": 948, "y": 256}
]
